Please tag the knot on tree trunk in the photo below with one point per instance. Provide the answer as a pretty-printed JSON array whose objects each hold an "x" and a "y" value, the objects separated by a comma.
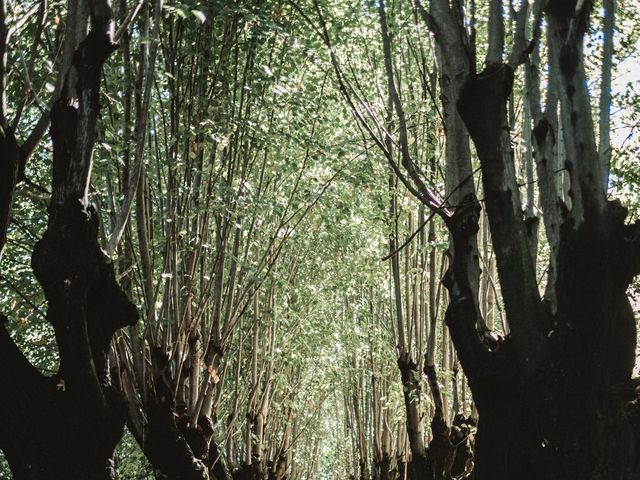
[
  {"x": 92, "y": 52},
  {"x": 482, "y": 105},
  {"x": 67, "y": 261},
  {"x": 86, "y": 305},
  {"x": 464, "y": 222},
  {"x": 463, "y": 225},
  {"x": 71, "y": 267}
]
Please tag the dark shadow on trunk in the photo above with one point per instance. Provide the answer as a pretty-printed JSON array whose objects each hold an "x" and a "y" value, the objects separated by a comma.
[{"x": 67, "y": 426}]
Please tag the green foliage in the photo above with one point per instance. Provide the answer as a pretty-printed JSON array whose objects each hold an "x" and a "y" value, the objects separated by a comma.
[{"x": 244, "y": 101}]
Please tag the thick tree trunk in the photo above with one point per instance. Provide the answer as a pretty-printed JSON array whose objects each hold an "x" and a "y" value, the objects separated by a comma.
[
  {"x": 441, "y": 451},
  {"x": 249, "y": 472},
  {"x": 593, "y": 351},
  {"x": 410, "y": 377},
  {"x": 382, "y": 470},
  {"x": 461, "y": 431},
  {"x": 550, "y": 397},
  {"x": 9, "y": 163},
  {"x": 175, "y": 448},
  {"x": 588, "y": 429},
  {"x": 505, "y": 443},
  {"x": 67, "y": 426}
]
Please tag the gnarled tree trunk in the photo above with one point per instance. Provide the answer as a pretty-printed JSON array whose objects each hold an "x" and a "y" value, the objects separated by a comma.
[
  {"x": 554, "y": 398},
  {"x": 67, "y": 426}
]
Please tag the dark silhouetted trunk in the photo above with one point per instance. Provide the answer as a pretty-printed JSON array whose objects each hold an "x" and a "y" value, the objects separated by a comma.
[
  {"x": 67, "y": 426},
  {"x": 9, "y": 162},
  {"x": 176, "y": 449},
  {"x": 555, "y": 397}
]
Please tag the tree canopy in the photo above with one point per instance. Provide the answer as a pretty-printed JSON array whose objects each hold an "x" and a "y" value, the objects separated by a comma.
[{"x": 318, "y": 239}]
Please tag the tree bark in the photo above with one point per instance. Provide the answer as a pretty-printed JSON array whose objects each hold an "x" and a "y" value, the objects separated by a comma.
[
  {"x": 68, "y": 425},
  {"x": 554, "y": 397},
  {"x": 9, "y": 163}
]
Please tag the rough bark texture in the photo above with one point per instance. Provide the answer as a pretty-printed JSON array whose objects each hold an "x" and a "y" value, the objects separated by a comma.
[
  {"x": 382, "y": 470},
  {"x": 410, "y": 378},
  {"x": 176, "y": 448},
  {"x": 67, "y": 426},
  {"x": 490, "y": 369},
  {"x": 164, "y": 441},
  {"x": 9, "y": 162},
  {"x": 441, "y": 450},
  {"x": 461, "y": 431},
  {"x": 551, "y": 396}
]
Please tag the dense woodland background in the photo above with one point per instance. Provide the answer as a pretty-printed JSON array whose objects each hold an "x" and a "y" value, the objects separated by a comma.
[{"x": 275, "y": 184}]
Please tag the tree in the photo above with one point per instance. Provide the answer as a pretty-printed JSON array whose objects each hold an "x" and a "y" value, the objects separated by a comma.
[
  {"x": 555, "y": 395},
  {"x": 68, "y": 425},
  {"x": 294, "y": 322},
  {"x": 231, "y": 184},
  {"x": 564, "y": 374},
  {"x": 414, "y": 170}
]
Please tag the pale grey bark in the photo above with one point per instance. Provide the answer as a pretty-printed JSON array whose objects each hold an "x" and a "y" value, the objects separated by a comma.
[
  {"x": 545, "y": 152},
  {"x": 582, "y": 160},
  {"x": 479, "y": 109},
  {"x": 495, "y": 49},
  {"x": 604, "y": 148}
]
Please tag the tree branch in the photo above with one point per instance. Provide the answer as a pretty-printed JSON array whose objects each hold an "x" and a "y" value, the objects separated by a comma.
[
  {"x": 495, "y": 50},
  {"x": 604, "y": 149},
  {"x": 432, "y": 198},
  {"x": 566, "y": 32},
  {"x": 141, "y": 133}
]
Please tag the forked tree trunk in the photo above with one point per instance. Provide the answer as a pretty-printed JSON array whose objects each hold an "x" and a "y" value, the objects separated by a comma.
[
  {"x": 555, "y": 399},
  {"x": 560, "y": 409},
  {"x": 67, "y": 426}
]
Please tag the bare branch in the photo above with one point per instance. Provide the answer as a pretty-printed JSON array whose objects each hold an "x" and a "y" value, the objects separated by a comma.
[
  {"x": 133, "y": 13},
  {"x": 141, "y": 134},
  {"x": 566, "y": 33},
  {"x": 432, "y": 197},
  {"x": 522, "y": 46}
]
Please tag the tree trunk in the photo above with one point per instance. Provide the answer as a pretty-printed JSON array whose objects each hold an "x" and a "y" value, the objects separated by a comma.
[
  {"x": 175, "y": 447},
  {"x": 552, "y": 397},
  {"x": 548, "y": 397},
  {"x": 410, "y": 377},
  {"x": 67, "y": 426},
  {"x": 9, "y": 163}
]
